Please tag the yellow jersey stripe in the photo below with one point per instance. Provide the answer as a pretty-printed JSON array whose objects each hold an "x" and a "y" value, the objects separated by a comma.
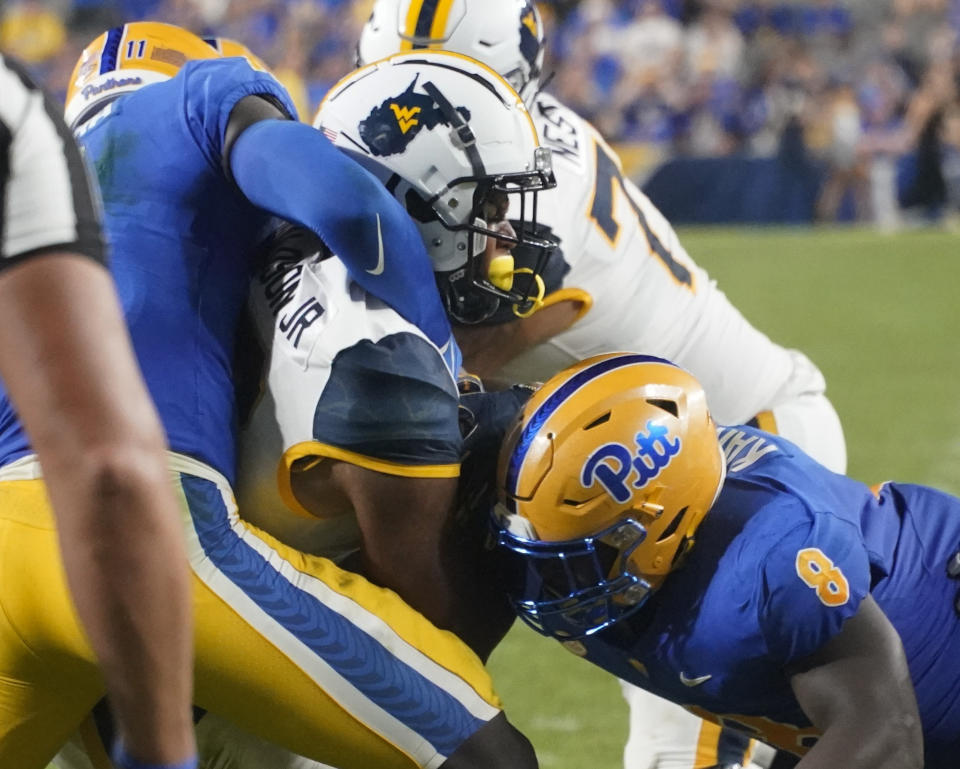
[
  {"x": 578, "y": 295},
  {"x": 318, "y": 449},
  {"x": 707, "y": 741},
  {"x": 766, "y": 421}
]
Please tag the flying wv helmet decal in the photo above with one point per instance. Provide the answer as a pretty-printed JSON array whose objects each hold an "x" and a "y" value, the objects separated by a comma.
[
  {"x": 391, "y": 126},
  {"x": 612, "y": 464},
  {"x": 530, "y": 35}
]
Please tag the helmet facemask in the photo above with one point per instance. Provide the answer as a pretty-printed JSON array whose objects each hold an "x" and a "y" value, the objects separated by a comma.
[
  {"x": 474, "y": 289},
  {"x": 573, "y": 589}
]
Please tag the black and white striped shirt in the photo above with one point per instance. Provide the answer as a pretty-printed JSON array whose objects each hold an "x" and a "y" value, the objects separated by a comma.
[{"x": 47, "y": 202}]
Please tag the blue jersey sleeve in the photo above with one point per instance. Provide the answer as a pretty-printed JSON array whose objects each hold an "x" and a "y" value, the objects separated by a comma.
[
  {"x": 394, "y": 401},
  {"x": 211, "y": 89},
  {"x": 295, "y": 172},
  {"x": 814, "y": 580}
]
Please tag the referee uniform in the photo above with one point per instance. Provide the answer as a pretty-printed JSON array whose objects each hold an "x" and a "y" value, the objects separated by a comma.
[{"x": 46, "y": 199}]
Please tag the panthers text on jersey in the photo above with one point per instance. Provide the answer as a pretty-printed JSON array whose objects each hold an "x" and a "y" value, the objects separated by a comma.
[
  {"x": 784, "y": 558},
  {"x": 181, "y": 238},
  {"x": 641, "y": 291}
]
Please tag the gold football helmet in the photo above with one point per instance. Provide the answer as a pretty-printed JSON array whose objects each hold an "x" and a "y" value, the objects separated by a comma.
[
  {"x": 226, "y": 46},
  {"x": 126, "y": 58},
  {"x": 605, "y": 478}
]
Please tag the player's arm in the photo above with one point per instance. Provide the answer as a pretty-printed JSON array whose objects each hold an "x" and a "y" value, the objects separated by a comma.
[
  {"x": 857, "y": 690},
  {"x": 487, "y": 349},
  {"x": 388, "y": 445},
  {"x": 70, "y": 370},
  {"x": 68, "y": 365},
  {"x": 412, "y": 545},
  {"x": 295, "y": 172}
]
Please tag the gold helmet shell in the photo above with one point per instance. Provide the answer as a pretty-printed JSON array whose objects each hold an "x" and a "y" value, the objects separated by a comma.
[{"x": 126, "y": 58}]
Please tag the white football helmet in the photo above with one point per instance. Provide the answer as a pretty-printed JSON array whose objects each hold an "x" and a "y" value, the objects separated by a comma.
[
  {"x": 506, "y": 35},
  {"x": 452, "y": 141}
]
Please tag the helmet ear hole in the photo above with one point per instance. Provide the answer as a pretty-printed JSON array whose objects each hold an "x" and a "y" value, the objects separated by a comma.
[{"x": 418, "y": 208}]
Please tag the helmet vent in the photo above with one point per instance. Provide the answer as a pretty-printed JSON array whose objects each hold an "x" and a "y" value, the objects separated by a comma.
[
  {"x": 673, "y": 526},
  {"x": 598, "y": 421},
  {"x": 669, "y": 406}
]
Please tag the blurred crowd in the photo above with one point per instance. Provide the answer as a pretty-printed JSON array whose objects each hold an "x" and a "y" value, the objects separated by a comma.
[
  {"x": 309, "y": 44},
  {"x": 868, "y": 88},
  {"x": 858, "y": 84}
]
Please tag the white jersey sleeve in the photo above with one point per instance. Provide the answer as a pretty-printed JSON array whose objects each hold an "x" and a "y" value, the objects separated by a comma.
[
  {"x": 347, "y": 378},
  {"x": 46, "y": 199},
  {"x": 648, "y": 294}
]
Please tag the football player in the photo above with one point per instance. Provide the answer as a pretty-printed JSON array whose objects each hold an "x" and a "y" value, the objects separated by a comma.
[
  {"x": 727, "y": 571},
  {"x": 68, "y": 366},
  {"x": 630, "y": 285},
  {"x": 360, "y": 420},
  {"x": 195, "y": 155},
  {"x": 367, "y": 395}
]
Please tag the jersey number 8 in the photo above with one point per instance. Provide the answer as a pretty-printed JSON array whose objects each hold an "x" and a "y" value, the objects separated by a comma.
[{"x": 817, "y": 571}]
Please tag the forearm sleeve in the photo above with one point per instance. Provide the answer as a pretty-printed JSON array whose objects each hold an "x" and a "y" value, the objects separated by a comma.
[{"x": 295, "y": 172}]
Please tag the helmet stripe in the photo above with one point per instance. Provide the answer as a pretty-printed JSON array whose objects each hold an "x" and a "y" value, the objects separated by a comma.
[
  {"x": 425, "y": 20},
  {"x": 553, "y": 402},
  {"x": 439, "y": 25},
  {"x": 409, "y": 29},
  {"x": 108, "y": 59}
]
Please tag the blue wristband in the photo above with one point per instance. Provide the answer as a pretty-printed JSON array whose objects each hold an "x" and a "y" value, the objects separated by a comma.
[{"x": 124, "y": 760}]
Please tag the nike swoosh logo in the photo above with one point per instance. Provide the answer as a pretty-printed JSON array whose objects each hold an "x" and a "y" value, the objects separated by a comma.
[
  {"x": 693, "y": 681},
  {"x": 379, "y": 268}
]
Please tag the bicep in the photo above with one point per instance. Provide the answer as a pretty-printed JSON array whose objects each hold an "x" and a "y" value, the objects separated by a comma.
[
  {"x": 857, "y": 691},
  {"x": 248, "y": 111}
]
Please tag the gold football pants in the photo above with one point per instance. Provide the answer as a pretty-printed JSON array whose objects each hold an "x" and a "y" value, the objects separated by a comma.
[{"x": 288, "y": 646}]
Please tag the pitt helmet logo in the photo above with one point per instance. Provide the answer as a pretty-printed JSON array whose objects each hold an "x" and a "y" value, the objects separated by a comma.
[
  {"x": 612, "y": 464},
  {"x": 396, "y": 121},
  {"x": 405, "y": 116}
]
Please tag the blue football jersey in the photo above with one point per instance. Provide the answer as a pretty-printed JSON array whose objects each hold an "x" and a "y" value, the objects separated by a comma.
[
  {"x": 785, "y": 556},
  {"x": 181, "y": 236}
]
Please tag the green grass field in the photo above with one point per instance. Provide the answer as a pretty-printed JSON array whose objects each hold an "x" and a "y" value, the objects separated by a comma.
[{"x": 878, "y": 314}]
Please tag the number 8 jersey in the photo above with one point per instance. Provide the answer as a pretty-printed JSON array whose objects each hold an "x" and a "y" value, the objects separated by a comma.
[{"x": 781, "y": 562}]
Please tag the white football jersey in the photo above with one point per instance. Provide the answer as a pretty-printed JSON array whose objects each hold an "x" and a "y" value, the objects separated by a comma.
[
  {"x": 647, "y": 293},
  {"x": 347, "y": 378}
]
